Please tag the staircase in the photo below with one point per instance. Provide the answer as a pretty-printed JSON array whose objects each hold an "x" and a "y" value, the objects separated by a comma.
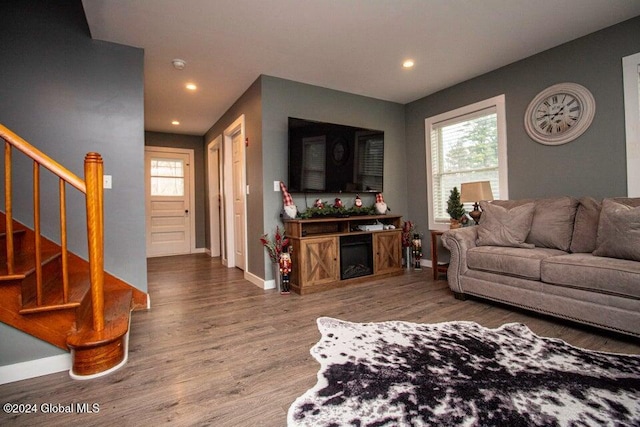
[{"x": 53, "y": 294}]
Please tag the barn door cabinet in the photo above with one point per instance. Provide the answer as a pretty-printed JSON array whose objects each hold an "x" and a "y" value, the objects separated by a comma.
[{"x": 322, "y": 250}]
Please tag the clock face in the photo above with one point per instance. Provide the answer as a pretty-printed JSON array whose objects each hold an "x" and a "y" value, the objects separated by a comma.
[{"x": 559, "y": 114}]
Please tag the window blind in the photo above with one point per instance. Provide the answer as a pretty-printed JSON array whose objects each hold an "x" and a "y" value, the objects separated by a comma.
[
  {"x": 371, "y": 163},
  {"x": 463, "y": 149},
  {"x": 313, "y": 163}
]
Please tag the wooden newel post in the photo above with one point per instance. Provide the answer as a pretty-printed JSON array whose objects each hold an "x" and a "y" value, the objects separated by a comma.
[{"x": 93, "y": 171}]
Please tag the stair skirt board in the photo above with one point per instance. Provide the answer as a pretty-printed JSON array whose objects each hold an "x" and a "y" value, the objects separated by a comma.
[
  {"x": 54, "y": 364},
  {"x": 35, "y": 368}
]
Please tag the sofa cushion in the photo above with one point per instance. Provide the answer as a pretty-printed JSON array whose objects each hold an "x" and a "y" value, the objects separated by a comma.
[
  {"x": 500, "y": 226},
  {"x": 586, "y": 271},
  {"x": 519, "y": 262},
  {"x": 618, "y": 231},
  {"x": 552, "y": 225},
  {"x": 585, "y": 228}
]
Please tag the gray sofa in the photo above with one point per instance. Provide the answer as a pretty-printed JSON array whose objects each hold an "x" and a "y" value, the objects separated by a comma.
[{"x": 577, "y": 259}]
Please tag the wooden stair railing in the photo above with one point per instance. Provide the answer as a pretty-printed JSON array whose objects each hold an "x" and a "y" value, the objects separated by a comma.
[{"x": 92, "y": 187}]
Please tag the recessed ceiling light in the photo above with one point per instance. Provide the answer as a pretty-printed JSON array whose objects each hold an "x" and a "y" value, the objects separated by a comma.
[
  {"x": 175, "y": 122},
  {"x": 191, "y": 86},
  {"x": 408, "y": 63}
]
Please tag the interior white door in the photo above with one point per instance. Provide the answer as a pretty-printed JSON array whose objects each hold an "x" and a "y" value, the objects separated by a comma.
[
  {"x": 167, "y": 177},
  {"x": 238, "y": 199}
]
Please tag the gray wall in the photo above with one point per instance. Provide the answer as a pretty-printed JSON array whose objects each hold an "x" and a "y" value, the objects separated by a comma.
[
  {"x": 248, "y": 104},
  {"x": 282, "y": 99},
  {"x": 69, "y": 95},
  {"x": 267, "y": 104},
  {"x": 594, "y": 164},
  {"x": 195, "y": 143}
]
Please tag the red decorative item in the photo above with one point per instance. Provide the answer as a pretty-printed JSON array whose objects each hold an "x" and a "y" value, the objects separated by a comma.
[
  {"x": 290, "y": 210},
  {"x": 358, "y": 202},
  {"x": 276, "y": 246},
  {"x": 285, "y": 271},
  {"x": 407, "y": 232},
  {"x": 380, "y": 205},
  {"x": 338, "y": 203}
]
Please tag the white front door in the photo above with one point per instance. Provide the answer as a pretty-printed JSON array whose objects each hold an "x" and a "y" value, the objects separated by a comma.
[
  {"x": 167, "y": 183},
  {"x": 238, "y": 198}
]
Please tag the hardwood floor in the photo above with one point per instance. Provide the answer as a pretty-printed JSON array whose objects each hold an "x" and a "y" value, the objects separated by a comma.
[{"x": 217, "y": 350}]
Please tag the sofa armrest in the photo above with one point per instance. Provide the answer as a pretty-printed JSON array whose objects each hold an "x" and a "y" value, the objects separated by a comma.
[{"x": 458, "y": 241}]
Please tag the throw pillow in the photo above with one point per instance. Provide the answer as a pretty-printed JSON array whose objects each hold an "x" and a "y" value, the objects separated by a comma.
[
  {"x": 585, "y": 229},
  {"x": 500, "y": 226},
  {"x": 618, "y": 231},
  {"x": 552, "y": 225}
]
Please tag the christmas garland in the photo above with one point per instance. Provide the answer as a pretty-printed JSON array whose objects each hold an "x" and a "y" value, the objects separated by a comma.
[{"x": 330, "y": 211}]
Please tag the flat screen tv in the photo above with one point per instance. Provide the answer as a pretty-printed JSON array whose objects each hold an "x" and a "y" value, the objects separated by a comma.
[{"x": 332, "y": 158}]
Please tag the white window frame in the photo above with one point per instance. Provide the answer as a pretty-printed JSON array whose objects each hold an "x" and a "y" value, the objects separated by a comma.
[
  {"x": 497, "y": 102},
  {"x": 631, "y": 78}
]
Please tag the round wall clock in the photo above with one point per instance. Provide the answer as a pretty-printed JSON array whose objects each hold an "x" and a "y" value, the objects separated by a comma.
[{"x": 559, "y": 114}]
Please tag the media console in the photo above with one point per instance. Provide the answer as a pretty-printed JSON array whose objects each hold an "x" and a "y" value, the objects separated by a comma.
[{"x": 328, "y": 253}]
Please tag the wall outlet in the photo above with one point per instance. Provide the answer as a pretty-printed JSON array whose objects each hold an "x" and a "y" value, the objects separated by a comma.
[
  {"x": 106, "y": 181},
  {"x": 276, "y": 186}
]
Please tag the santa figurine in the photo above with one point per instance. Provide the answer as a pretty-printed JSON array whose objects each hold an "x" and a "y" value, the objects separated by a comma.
[
  {"x": 358, "y": 202},
  {"x": 380, "y": 205},
  {"x": 318, "y": 204},
  {"x": 289, "y": 211},
  {"x": 338, "y": 203}
]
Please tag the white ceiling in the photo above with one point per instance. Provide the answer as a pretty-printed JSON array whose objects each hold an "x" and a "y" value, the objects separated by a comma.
[{"x": 355, "y": 46}]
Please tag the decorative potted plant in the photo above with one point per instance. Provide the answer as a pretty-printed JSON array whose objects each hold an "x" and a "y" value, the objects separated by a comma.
[
  {"x": 455, "y": 208},
  {"x": 407, "y": 234},
  {"x": 275, "y": 247}
]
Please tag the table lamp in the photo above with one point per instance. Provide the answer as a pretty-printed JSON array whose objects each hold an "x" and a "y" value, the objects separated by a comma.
[{"x": 473, "y": 192}]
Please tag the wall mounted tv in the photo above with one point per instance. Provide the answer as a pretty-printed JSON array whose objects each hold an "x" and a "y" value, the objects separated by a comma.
[{"x": 332, "y": 158}]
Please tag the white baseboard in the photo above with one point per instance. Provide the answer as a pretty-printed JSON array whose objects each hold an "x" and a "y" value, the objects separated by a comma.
[
  {"x": 35, "y": 368},
  {"x": 259, "y": 282}
]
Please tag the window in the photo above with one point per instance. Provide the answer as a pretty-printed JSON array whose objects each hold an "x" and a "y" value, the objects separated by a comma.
[
  {"x": 313, "y": 163},
  {"x": 370, "y": 161},
  {"x": 167, "y": 177},
  {"x": 631, "y": 78},
  {"x": 465, "y": 145}
]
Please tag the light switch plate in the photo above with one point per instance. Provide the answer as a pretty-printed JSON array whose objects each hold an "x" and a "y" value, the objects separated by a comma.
[
  {"x": 106, "y": 181},
  {"x": 276, "y": 186}
]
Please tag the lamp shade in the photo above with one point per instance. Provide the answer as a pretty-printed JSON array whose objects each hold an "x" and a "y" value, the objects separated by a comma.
[{"x": 475, "y": 191}]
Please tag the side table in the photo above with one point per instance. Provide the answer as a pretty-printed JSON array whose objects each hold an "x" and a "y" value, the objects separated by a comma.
[{"x": 435, "y": 267}]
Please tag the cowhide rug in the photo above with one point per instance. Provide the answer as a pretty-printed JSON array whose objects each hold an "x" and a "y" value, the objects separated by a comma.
[{"x": 460, "y": 373}]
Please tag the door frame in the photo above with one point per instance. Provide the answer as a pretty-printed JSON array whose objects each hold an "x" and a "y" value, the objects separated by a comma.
[
  {"x": 237, "y": 126},
  {"x": 215, "y": 180},
  {"x": 192, "y": 185},
  {"x": 631, "y": 75}
]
